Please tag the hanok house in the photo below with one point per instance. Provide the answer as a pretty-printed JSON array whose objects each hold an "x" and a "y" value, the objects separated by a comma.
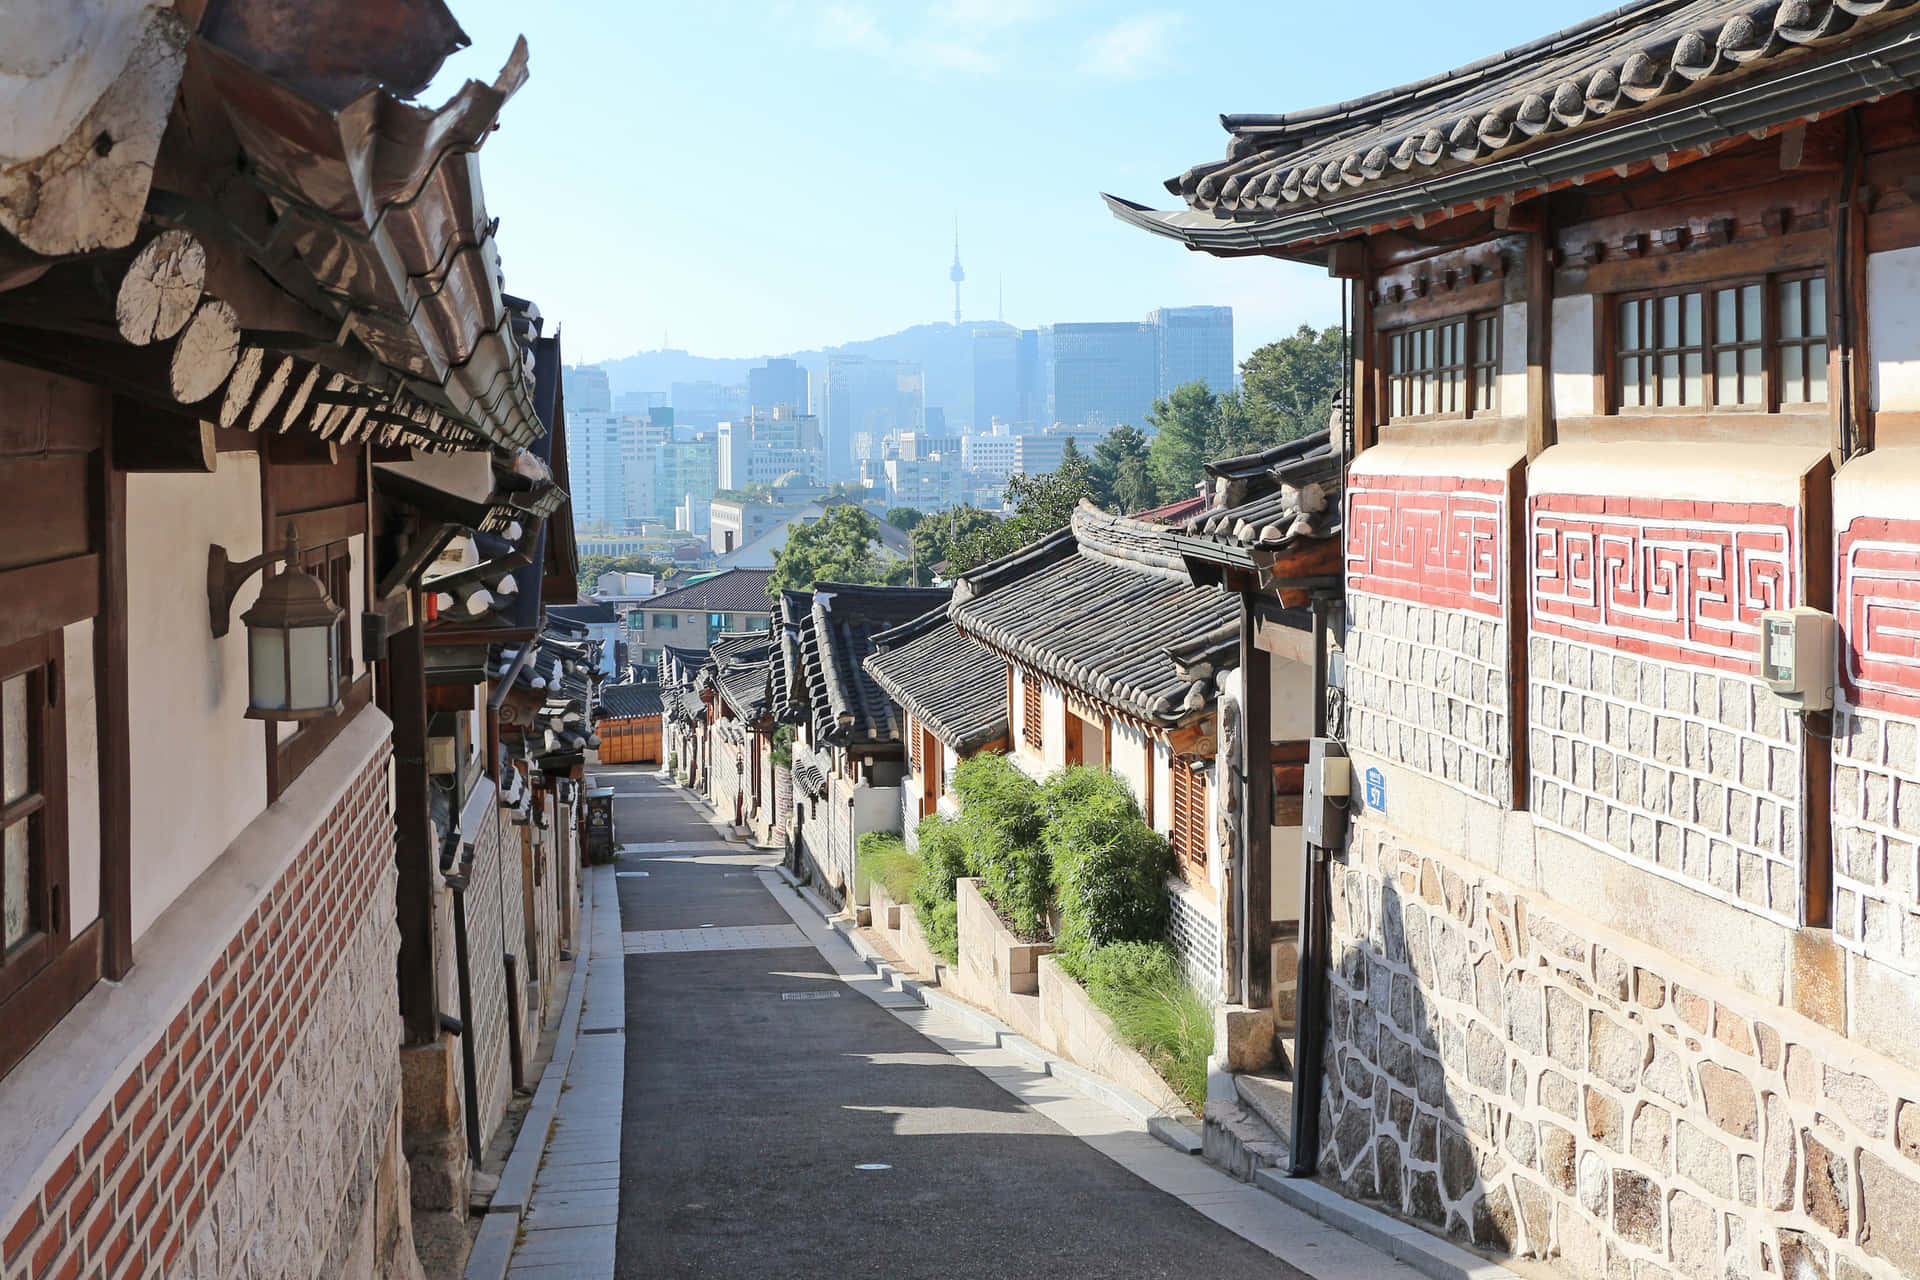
[
  {"x": 629, "y": 718},
  {"x": 733, "y": 682},
  {"x": 693, "y": 616},
  {"x": 1114, "y": 658},
  {"x": 952, "y": 695},
  {"x": 849, "y": 751},
  {"x": 237, "y": 268},
  {"x": 1626, "y": 933}
]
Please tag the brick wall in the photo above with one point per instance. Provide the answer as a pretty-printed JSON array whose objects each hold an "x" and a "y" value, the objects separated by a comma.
[
  {"x": 1427, "y": 649},
  {"x": 249, "y": 1138},
  {"x": 493, "y": 888},
  {"x": 1694, "y": 773},
  {"x": 1500, "y": 1073}
]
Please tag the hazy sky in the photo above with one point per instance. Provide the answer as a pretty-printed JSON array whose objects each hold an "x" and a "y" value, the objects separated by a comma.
[{"x": 748, "y": 178}]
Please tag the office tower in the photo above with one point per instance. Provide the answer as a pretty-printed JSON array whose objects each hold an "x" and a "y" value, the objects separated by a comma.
[
  {"x": 775, "y": 384},
  {"x": 1008, "y": 385},
  {"x": 703, "y": 405},
  {"x": 867, "y": 398},
  {"x": 1196, "y": 345},
  {"x": 1105, "y": 374},
  {"x": 685, "y": 471},
  {"x": 586, "y": 388},
  {"x": 598, "y": 468},
  {"x": 638, "y": 402}
]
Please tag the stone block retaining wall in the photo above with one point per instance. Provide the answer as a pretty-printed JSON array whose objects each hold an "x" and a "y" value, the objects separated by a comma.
[{"x": 1506, "y": 1074}]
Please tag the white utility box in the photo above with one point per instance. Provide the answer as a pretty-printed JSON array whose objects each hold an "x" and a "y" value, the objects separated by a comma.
[{"x": 1796, "y": 657}]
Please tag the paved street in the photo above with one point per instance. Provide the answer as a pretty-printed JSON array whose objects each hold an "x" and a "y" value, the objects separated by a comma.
[{"x": 759, "y": 1081}]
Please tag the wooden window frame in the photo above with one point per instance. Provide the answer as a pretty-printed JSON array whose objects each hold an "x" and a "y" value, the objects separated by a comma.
[
  {"x": 1187, "y": 805},
  {"x": 1478, "y": 368},
  {"x": 1032, "y": 713},
  {"x": 1713, "y": 343}
]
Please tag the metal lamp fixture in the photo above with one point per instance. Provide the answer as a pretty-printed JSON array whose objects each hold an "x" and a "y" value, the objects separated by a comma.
[{"x": 293, "y": 635}]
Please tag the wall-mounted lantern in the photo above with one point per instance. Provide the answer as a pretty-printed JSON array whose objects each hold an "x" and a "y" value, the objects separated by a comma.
[{"x": 293, "y": 634}]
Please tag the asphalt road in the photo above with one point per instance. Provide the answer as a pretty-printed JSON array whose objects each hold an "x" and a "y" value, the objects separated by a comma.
[{"x": 748, "y": 1114}]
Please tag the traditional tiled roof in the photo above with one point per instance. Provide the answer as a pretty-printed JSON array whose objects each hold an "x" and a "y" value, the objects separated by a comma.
[
  {"x": 729, "y": 591},
  {"x": 1098, "y": 607},
  {"x": 1269, "y": 499},
  {"x": 1557, "y": 109},
  {"x": 629, "y": 701},
  {"x": 953, "y": 684},
  {"x": 1172, "y": 512},
  {"x": 827, "y": 635},
  {"x": 738, "y": 664},
  {"x": 584, "y": 612}
]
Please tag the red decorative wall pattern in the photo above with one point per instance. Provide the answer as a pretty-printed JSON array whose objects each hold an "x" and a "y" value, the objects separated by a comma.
[
  {"x": 1680, "y": 580},
  {"x": 1878, "y": 590},
  {"x": 1432, "y": 540}
]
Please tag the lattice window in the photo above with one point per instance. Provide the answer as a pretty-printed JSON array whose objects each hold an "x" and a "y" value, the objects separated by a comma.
[
  {"x": 1742, "y": 344},
  {"x": 1030, "y": 710},
  {"x": 1445, "y": 368},
  {"x": 1189, "y": 837}
]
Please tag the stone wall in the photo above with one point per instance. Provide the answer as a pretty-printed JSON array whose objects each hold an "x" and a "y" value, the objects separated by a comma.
[
  {"x": 1508, "y": 1074},
  {"x": 1427, "y": 658},
  {"x": 259, "y": 1134},
  {"x": 493, "y": 889},
  {"x": 1694, "y": 773}
]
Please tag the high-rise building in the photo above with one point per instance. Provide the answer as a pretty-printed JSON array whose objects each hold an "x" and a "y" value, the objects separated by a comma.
[
  {"x": 1105, "y": 374},
  {"x": 638, "y": 402},
  {"x": 586, "y": 388},
  {"x": 1196, "y": 345},
  {"x": 685, "y": 471},
  {"x": 1007, "y": 381},
  {"x": 598, "y": 469},
  {"x": 702, "y": 406},
  {"x": 776, "y": 384},
  {"x": 870, "y": 398}
]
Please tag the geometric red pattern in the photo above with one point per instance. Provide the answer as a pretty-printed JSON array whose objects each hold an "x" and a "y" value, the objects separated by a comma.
[
  {"x": 1877, "y": 587},
  {"x": 1435, "y": 540},
  {"x": 129, "y": 1194},
  {"x": 1682, "y": 581}
]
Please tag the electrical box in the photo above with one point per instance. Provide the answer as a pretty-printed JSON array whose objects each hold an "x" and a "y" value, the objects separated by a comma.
[
  {"x": 1796, "y": 657},
  {"x": 1323, "y": 807}
]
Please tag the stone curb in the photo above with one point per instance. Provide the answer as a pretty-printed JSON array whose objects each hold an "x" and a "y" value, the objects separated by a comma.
[
  {"x": 1425, "y": 1253},
  {"x": 499, "y": 1231}
]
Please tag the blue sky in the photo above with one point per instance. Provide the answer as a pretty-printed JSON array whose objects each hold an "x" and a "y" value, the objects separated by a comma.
[{"x": 750, "y": 178}]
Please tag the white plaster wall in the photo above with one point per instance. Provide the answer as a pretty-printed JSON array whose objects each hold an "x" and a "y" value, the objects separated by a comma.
[
  {"x": 1129, "y": 763},
  {"x": 1511, "y": 380},
  {"x": 1573, "y": 357},
  {"x": 1893, "y": 319},
  {"x": 1290, "y": 701},
  {"x": 1751, "y": 473},
  {"x": 950, "y": 762},
  {"x": 199, "y": 772},
  {"x": 1053, "y": 727},
  {"x": 83, "y": 778},
  {"x": 1161, "y": 819}
]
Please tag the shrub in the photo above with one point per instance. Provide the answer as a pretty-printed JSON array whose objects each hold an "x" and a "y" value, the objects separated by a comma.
[
  {"x": 1140, "y": 986},
  {"x": 1109, "y": 867},
  {"x": 885, "y": 860},
  {"x": 1002, "y": 820},
  {"x": 943, "y": 859}
]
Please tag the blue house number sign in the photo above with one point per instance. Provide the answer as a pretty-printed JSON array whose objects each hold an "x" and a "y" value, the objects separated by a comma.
[{"x": 1376, "y": 791}]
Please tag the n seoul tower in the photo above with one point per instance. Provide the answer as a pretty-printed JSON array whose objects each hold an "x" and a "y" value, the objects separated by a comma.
[{"x": 954, "y": 273}]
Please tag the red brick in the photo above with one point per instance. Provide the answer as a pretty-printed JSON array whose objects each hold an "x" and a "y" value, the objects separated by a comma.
[
  {"x": 129, "y": 1183},
  {"x": 117, "y": 1247},
  {"x": 81, "y": 1199},
  {"x": 155, "y": 1056},
  {"x": 59, "y": 1180},
  {"x": 97, "y": 1132},
  {"x": 16, "y": 1239},
  {"x": 49, "y": 1250},
  {"x": 129, "y": 1090},
  {"x": 69, "y": 1269}
]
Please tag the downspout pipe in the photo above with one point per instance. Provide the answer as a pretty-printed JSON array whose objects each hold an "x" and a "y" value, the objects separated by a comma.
[
  {"x": 457, "y": 881},
  {"x": 1310, "y": 1027}
]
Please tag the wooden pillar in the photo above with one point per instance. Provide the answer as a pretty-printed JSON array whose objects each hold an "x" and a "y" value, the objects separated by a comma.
[
  {"x": 112, "y": 711},
  {"x": 1256, "y": 683},
  {"x": 405, "y": 678}
]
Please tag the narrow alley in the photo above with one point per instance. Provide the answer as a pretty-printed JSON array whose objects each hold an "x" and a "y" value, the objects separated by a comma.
[{"x": 785, "y": 1115}]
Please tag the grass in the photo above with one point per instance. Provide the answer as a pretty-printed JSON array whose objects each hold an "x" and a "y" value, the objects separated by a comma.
[
  {"x": 1141, "y": 988},
  {"x": 885, "y": 860}
]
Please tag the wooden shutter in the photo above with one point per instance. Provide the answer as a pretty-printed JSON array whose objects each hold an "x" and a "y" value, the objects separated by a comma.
[
  {"x": 1189, "y": 836},
  {"x": 1030, "y": 710}
]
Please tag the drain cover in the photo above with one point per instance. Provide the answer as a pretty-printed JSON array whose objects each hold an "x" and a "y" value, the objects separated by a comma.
[
  {"x": 624, "y": 874},
  {"x": 872, "y": 1168},
  {"x": 809, "y": 995}
]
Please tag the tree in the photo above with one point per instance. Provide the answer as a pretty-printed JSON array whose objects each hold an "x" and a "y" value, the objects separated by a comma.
[
  {"x": 1186, "y": 425},
  {"x": 934, "y": 536},
  {"x": 1288, "y": 386},
  {"x": 1041, "y": 504},
  {"x": 838, "y": 547},
  {"x": 847, "y": 491},
  {"x": 1119, "y": 470},
  {"x": 904, "y": 518}
]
